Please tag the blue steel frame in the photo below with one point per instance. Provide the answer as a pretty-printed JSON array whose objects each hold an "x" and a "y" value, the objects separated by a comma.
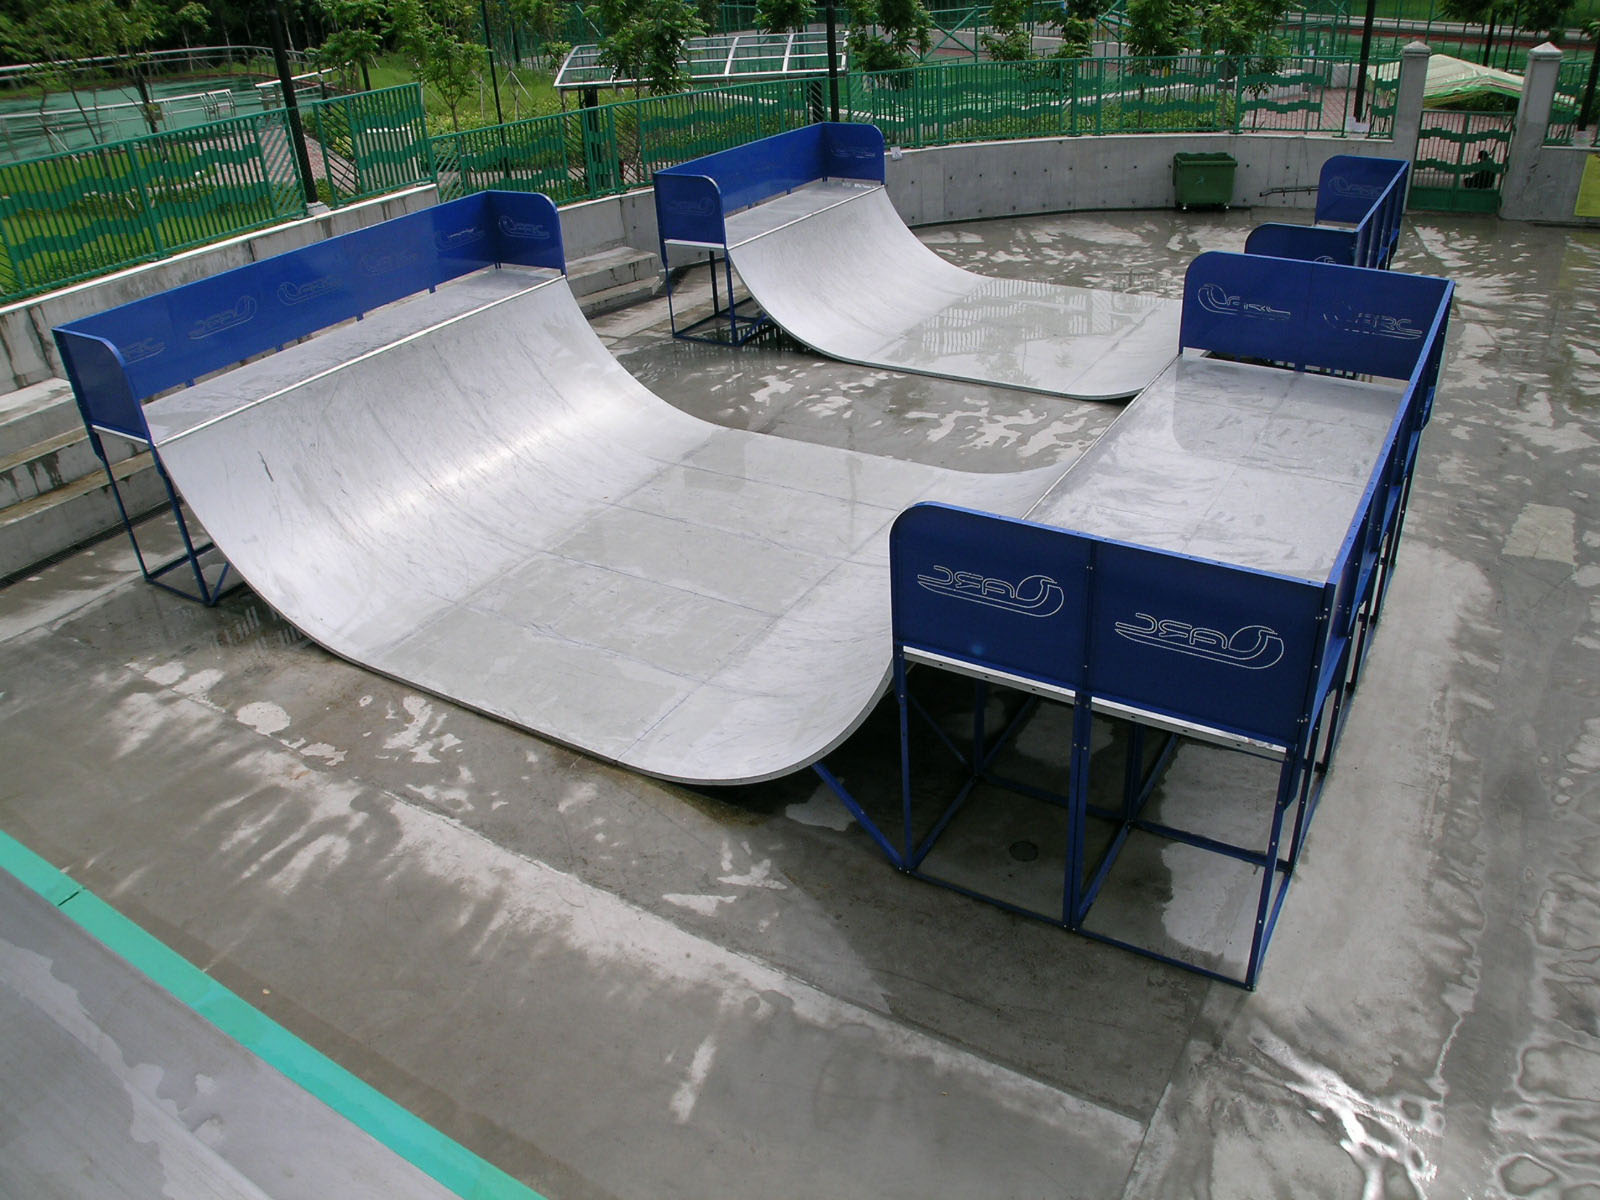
[
  {"x": 120, "y": 358},
  {"x": 1175, "y": 645},
  {"x": 1361, "y": 203},
  {"x": 694, "y": 200}
]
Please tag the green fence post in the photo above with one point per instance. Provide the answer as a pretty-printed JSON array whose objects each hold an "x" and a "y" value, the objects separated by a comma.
[{"x": 151, "y": 220}]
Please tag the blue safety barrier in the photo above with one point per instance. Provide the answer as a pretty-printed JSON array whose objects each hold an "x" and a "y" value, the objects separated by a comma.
[
  {"x": 120, "y": 358},
  {"x": 1360, "y": 205},
  {"x": 693, "y": 200},
  {"x": 1169, "y": 643}
]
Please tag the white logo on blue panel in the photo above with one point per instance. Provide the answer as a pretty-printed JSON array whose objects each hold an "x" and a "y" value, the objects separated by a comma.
[
  {"x": 704, "y": 207},
  {"x": 298, "y": 293},
  {"x": 1253, "y": 647},
  {"x": 228, "y": 318},
  {"x": 527, "y": 230},
  {"x": 1357, "y": 191},
  {"x": 1348, "y": 320},
  {"x": 1034, "y": 596},
  {"x": 1218, "y": 300}
]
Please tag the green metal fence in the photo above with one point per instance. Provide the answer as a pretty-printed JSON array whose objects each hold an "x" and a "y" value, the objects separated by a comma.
[
  {"x": 1571, "y": 83},
  {"x": 70, "y": 216},
  {"x": 600, "y": 151},
  {"x": 938, "y": 105},
  {"x": 368, "y": 144}
]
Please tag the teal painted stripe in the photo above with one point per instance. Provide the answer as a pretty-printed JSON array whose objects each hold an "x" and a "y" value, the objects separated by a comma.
[{"x": 402, "y": 1131}]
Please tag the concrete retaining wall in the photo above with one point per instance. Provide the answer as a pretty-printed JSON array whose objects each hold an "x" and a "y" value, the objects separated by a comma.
[{"x": 1006, "y": 179}]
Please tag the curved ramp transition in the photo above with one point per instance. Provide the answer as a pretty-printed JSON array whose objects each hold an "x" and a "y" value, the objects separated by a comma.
[
  {"x": 465, "y": 491},
  {"x": 833, "y": 264}
]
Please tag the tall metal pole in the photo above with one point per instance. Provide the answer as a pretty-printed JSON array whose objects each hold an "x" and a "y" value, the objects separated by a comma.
[
  {"x": 297, "y": 133},
  {"x": 1366, "y": 54},
  {"x": 833, "y": 65},
  {"x": 494, "y": 78}
]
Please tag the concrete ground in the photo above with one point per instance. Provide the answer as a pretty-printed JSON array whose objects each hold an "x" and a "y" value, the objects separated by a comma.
[{"x": 613, "y": 987}]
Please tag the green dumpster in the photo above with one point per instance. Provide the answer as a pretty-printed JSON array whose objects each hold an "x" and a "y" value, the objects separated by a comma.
[{"x": 1203, "y": 179}]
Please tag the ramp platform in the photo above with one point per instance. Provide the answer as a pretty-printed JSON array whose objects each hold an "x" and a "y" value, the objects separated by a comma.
[
  {"x": 466, "y": 491},
  {"x": 804, "y": 219},
  {"x": 1361, "y": 203},
  {"x": 1210, "y": 572}
]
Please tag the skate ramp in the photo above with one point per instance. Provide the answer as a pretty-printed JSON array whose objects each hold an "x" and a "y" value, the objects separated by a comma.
[{"x": 465, "y": 491}]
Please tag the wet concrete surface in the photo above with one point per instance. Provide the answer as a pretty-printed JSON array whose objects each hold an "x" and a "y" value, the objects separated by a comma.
[{"x": 610, "y": 986}]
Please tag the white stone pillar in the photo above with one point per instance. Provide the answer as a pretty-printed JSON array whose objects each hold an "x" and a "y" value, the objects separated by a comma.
[
  {"x": 1408, "y": 99},
  {"x": 1519, "y": 198}
]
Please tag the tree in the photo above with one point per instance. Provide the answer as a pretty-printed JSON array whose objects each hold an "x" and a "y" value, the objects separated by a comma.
[
  {"x": 785, "y": 16},
  {"x": 1008, "y": 41},
  {"x": 542, "y": 19},
  {"x": 647, "y": 40},
  {"x": 357, "y": 37},
  {"x": 1076, "y": 22},
  {"x": 1238, "y": 29},
  {"x": 887, "y": 35},
  {"x": 436, "y": 37},
  {"x": 1156, "y": 27},
  {"x": 127, "y": 30}
]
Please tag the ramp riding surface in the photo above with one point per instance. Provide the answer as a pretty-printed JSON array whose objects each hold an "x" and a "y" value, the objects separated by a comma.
[
  {"x": 833, "y": 264},
  {"x": 467, "y": 492}
]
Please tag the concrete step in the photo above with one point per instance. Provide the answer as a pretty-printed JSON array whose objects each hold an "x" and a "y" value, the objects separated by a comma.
[
  {"x": 54, "y": 462},
  {"x": 614, "y": 267},
  {"x": 610, "y": 299},
  {"x": 46, "y": 525},
  {"x": 35, "y": 414}
]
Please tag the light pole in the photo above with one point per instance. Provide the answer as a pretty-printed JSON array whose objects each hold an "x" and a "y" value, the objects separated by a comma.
[
  {"x": 297, "y": 133},
  {"x": 833, "y": 65},
  {"x": 1366, "y": 53}
]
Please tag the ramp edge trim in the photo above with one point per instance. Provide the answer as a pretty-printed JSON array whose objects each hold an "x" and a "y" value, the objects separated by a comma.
[{"x": 397, "y": 1128}]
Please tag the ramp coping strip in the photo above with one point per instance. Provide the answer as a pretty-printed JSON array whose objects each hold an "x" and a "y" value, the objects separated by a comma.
[
  {"x": 394, "y": 1126},
  {"x": 755, "y": 237},
  {"x": 347, "y": 363}
]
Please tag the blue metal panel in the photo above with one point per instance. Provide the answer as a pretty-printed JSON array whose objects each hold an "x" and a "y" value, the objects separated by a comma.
[
  {"x": 1312, "y": 243},
  {"x": 526, "y": 229},
  {"x": 991, "y": 590},
  {"x": 175, "y": 337},
  {"x": 1208, "y": 643},
  {"x": 689, "y": 208},
  {"x": 1351, "y": 185},
  {"x": 852, "y": 151},
  {"x": 1203, "y": 642},
  {"x": 95, "y": 368},
  {"x": 1310, "y": 314},
  {"x": 758, "y": 170}
]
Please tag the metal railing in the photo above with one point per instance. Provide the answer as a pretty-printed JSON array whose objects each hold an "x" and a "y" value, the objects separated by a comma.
[
  {"x": 67, "y": 217},
  {"x": 1572, "y": 81},
  {"x": 939, "y": 105},
  {"x": 611, "y": 148}
]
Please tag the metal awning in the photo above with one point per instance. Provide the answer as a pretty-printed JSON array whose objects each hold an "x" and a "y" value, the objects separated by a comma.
[{"x": 721, "y": 58}]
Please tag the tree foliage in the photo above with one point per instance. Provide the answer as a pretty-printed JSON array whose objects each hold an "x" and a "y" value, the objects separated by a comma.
[
  {"x": 784, "y": 16},
  {"x": 438, "y": 38},
  {"x": 647, "y": 40},
  {"x": 887, "y": 35},
  {"x": 1008, "y": 41},
  {"x": 359, "y": 27},
  {"x": 61, "y": 32},
  {"x": 1076, "y": 21},
  {"x": 1156, "y": 27}
]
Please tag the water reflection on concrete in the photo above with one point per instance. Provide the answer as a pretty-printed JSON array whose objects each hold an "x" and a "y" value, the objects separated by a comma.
[
  {"x": 1429, "y": 1022},
  {"x": 391, "y": 867}
]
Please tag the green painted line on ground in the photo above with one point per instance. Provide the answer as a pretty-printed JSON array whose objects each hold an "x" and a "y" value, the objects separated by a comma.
[{"x": 396, "y": 1127}]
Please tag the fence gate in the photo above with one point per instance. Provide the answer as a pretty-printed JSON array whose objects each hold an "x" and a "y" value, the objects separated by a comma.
[{"x": 1461, "y": 159}]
